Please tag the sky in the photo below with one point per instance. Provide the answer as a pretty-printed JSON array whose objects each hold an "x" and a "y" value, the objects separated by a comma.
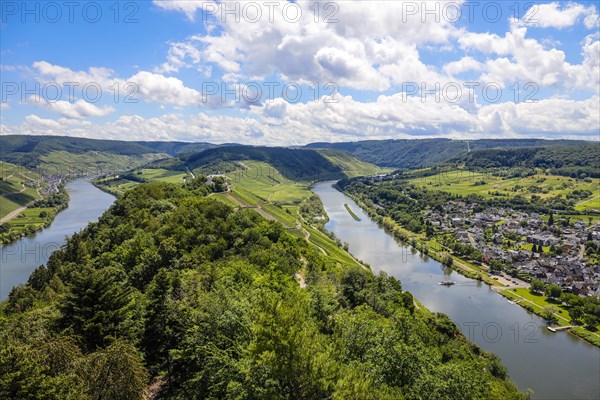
[{"x": 292, "y": 73}]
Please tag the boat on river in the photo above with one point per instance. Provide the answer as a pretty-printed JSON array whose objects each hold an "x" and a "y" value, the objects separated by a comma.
[{"x": 447, "y": 283}]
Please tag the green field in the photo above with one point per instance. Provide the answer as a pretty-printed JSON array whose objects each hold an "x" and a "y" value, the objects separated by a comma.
[
  {"x": 14, "y": 192},
  {"x": 119, "y": 184},
  {"x": 487, "y": 185},
  {"x": 91, "y": 162},
  {"x": 263, "y": 188},
  {"x": 268, "y": 184},
  {"x": 351, "y": 165},
  {"x": 163, "y": 175}
]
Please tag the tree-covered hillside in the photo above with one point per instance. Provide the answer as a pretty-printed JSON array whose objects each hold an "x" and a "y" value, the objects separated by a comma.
[
  {"x": 31, "y": 151},
  {"x": 177, "y": 296},
  {"x": 584, "y": 161},
  {"x": 294, "y": 164},
  {"x": 417, "y": 153}
]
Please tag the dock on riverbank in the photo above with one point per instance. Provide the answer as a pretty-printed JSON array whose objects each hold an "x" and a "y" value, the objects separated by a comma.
[{"x": 559, "y": 328}]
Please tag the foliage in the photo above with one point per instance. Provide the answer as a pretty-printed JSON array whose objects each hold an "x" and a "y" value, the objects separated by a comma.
[
  {"x": 180, "y": 288},
  {"x": 419, "y": 153},
  {"x": 558, "y": 160}
]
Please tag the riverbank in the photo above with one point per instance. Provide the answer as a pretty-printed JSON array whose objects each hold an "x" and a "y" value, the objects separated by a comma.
[
  {"x": 443, "y": 255},
  {"x": 21, "y": 257},
  {"x": 562, "y": 317},
  {"x": 36, "y": 216}
]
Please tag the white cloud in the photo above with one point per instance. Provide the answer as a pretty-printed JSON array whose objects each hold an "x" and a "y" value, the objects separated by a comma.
[
  {"x": 151, "y": 87},
  {"x": 47, "y": 72},
  {"x": 465, "y": 64},
  {"x": 160, "y": 89},
  {"x": 523, "y": 59},
  {"x": 188, "y": 7},
  {"x": 553, "y": 15},
  {"x": 394, "y": 116},
  {"x": 367, "y": 48},
  {"x": 77, "y": 109}
]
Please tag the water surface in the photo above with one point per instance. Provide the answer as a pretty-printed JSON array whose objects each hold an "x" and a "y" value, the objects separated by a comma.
[{"x": 20, "y": 258}]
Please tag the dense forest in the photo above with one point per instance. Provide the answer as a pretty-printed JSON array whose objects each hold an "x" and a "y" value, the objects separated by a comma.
[
  {"x": 294, "y": 164},
  {"x": 175, "y": 295},
  {"x": 558, "y": 160},
  {"x": 418, "y": 153}
]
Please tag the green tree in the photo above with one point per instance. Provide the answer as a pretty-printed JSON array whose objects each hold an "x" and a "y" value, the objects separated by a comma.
[
  {"x": 114, "y": 373},
  {"x": 536, "y": 286},
  {"x": 549, "y": 314},
  {"x": 553, "y": 291},
  {"x": 96, "y": 306}
]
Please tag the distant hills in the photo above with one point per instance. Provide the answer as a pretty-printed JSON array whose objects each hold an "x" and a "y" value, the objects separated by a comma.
[
  {"x": 294, "y": 164},
  {"x": 559, "y": 160},
  {"x": 416, "y": 153},
  {"x": 39, "y": 151},
  {"x": 331, "y": 160}
]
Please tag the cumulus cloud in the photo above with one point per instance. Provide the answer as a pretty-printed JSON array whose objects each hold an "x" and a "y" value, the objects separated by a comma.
[
  {"x": 160, "y": 89},
  {"x": 465, "y": 64},
  {"x": 553, "y": 15},
  {"x": 395, "y": 116},
  {"x": 77, "y": 109},
  {"x": 522, "y": 59},
  {"x": 148, "y": 86},
  {"x": 366, "y": 48}
]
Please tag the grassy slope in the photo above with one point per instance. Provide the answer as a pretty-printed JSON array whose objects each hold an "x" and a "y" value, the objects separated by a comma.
[
  {"x": 119, "y": 185},
  {"x": 264, "y": 188},
  {"x": 351, "y": 165},
  {"x": 14, "y": 194},
  {"x": 91, "y": 162},
  {"x": 27, "y": 150},
  {"x": 465, "y": 182}
]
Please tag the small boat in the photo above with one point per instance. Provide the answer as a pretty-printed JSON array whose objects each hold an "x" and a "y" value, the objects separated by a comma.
[{"x": 447, "y": 283}]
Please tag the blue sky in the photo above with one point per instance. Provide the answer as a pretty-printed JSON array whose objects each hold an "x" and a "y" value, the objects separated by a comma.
[{"x": 192, "y": 72}]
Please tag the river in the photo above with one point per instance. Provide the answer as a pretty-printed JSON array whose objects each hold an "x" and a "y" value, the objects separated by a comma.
[
  {"x": 553, "y": 365},
  {"x": 20, "y": 258}
]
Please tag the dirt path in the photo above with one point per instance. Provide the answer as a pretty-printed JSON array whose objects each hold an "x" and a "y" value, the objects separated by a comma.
[
  {"x": 12, "y": 214},
  {"x": 301, "y": 281},
  {"x": 587, "y": 201},
  {"x": 19, "y": 210}
]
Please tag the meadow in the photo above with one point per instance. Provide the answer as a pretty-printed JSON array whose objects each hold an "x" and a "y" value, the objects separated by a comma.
[
  {"x": 487, "y": 185},
  {"x": 13, "y": 190}
]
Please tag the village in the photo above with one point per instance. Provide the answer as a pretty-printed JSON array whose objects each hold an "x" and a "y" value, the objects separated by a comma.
[{"x": 528, "y": 245}]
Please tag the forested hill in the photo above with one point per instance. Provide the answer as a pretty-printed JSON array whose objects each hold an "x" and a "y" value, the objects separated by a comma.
[
  {"x": 294, "y": 164},
  {"x": 416, "y": 153},
  {"x": 31, "y": 151},
  {"x": 172, "y": 295},
  {"x": 584, "y": 161}
]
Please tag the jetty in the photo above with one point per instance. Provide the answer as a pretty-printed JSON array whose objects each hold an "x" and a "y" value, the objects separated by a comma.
[{"x": 559, "y": 328}]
